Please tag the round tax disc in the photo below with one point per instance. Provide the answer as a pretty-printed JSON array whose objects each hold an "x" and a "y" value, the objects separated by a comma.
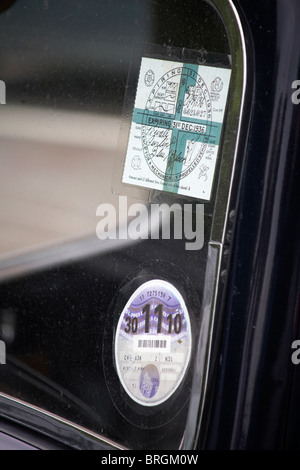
[{"x": 153, "y": 343}]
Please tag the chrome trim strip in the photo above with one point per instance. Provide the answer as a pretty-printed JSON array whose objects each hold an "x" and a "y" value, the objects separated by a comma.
[
  {"x": 243, "y": 45},
  {"x": 70, "y": 425},
  {"x": 195, "y": 416}
]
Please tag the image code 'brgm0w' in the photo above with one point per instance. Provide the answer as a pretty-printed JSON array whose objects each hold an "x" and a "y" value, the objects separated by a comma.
[
  {"x": 153, "y": 343},
  {"x": 176, "y": 127}
]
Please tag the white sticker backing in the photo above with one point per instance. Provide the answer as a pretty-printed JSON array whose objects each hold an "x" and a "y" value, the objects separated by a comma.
[
  {"x": 153, "y": 343},
  {"x": 176, "y": 127}
]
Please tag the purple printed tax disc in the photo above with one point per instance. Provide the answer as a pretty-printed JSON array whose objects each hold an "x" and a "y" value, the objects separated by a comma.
[{"x": 153, "y": 343}]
